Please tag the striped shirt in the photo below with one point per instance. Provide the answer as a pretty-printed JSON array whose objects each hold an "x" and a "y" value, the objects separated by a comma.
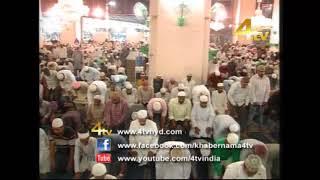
[{"x": 115, "y": 114}]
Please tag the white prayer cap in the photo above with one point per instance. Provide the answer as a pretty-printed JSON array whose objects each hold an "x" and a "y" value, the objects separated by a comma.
[
  {"x": 142, "y": 114},
  {"x": 121, "y": 70},
  {"x": 98, "y": 97},
  {"x": 220, "y": 84},
  {"x": 252, "y": 163},
  {"x": 114, "y": 67},
  {"x": 274, "y": 76},
  {"x": 128, "y": 86},
  {"x": 217, "y": 73},
  {"x": 234, "y": 128},
  {"x": 109, "y": 176},
  {"x": 180, "y": 86},
  {"x": 98, "y": 169},
  {"x": 102, "y": 74},
  {"x": 83, "y": 135},
  {"x": 204, "y": 98},
  {"x": 232, "y": 138},
  {"x": 86, "y": 68},
  {"x": 92, "y": 88},
  {"x": 163, "y": 90},
  {"x": 60, "y": 76},
  {"x": 182, "y": 94},
  {"x": 134, "y": 115},
  {"x": 224, "y": 64},
  {"x": 156, "y": 106},
  {"x": 57, "y": 122}
]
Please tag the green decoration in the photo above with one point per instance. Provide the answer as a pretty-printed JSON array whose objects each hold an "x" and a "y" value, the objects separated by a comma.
[
  {"x": 145, "y": 50},
  {"x": 181, "y": 21},
  {"x": 212, "y": 54}
]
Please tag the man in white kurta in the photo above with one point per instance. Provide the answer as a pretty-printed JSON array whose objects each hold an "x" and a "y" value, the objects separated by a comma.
[
  {"x": 189, "y": 83},
  {"x": 251, "y": 168},
  {"x": 199, "y": 90},
  {"x": 97, "y": 88},
  {"x": 89, "y": 74},
  {"x": 202, "y": 117},
  {"x": 173, "y": 170},
  {"x": 142, "y": 123},
  {"x": 163, "y": 94},
  {"x": 66, "y": 79},
  {"x": 130, "y": 94},
  {"x": 219, "y": 100},
  {"x": 176, "y": 90},
  {"x": 224, "y": 124},
  {"x": 84, "y": 153},
  {"x": 44, "y": 160}
]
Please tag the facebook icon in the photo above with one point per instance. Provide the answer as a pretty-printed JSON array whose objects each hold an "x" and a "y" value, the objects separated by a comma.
[{"x": 103, "y": 144}]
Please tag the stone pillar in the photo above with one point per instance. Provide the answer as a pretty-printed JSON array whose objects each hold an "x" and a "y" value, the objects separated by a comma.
[
  {"x": 174, "y": 50},
  {"x": 242, "y": 9}
]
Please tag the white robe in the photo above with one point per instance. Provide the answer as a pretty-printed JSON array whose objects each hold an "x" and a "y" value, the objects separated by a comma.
[
  {"x": 219, "y": 101},
  {"x": 221, "y": 125},
  {"x": 189, "y": 84},
  {"x": 101, "y": 90},
  {"x": 92, "y": 75},
  {"x": 44, "y": 160},
  {"x": 197, "y": 90},
  {"x": 236, "y": 171},
  {"x": 84, "y": 155},
  {"x": 201, "y": 118},
  {"x": 66, "y": 84},
  {"x": 173, "y": 170},
  {"x": 143, "y": 139}
]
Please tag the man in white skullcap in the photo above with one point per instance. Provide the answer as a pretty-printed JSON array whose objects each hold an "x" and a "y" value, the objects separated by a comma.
[
  {"x": 52, "y": 83},
  {"x": 119, "y": 80},
  {"x": 62, "y": 140},
  {"x": 260, "y": 95},
  {"x": 189, "y": 82},
  {"x": 198, "y": 91},
  {"x": 66, "y": 78},
  {"x": 157, "y": 83},
  {"x": 89, "y": 74},
  {"x": 44, "y": 160},
  {"x": 227, "y": 155},
  {"x": 95, "y": 112},
  {"x": 130, "y": 94},
  {"x": 173, "y": 169},
  {"x": 97, "y": 88},
  {"x": 98, "y": 171},
  {"x": 239, "y": 98},
  {"x": 202, "y": 117},
  {"x": 163, "y": 94},
  {"x": 251, "y": 168},
  {"x": 80, "y": 88},
  {"x": 179, "y": 88},
  {"x": 112, "y": 89},
  {"x": 142, "y": 123},
  {"x": 220, "y": 100},
  {"x": 157, "y": 110},
  {"x": 84, "y": 154},
  {"x": 224, "y": 124},
  {"x": 180, "y": 113},
  {"x": 145, "y": 93}
]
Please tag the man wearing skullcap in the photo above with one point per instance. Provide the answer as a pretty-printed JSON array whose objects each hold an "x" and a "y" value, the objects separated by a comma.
[
  {"x": 202, "y": 117},
  {"x": 176, "y": 90},
  {"x": 98, "y": 171},
  {"x": 80, "y": 88},
  {"x": 115, "y": 112},
  {"x": 251, "y": 168},
  {"x": 145, "y": 93},
  {"x": 213, "y": 79},
  {"x": 239, "y": 98},
  {"x": 163, "y": 94},
  {"x": 227, "y": 155},
  {"x": 157, "y": 110},
  {"x": 189, "y": 82},
  {"x": 260, "y": 84},
  {"x": 66, "y": 78},
  {"x": 142, "y": 122},
  {"x": 111, "y": 90},
  {"x": 130, "y": 94},
  {"x": 224, "y": 124},
  {"x": 89, "y": 74},
  {"x": 157, "y": 83},
  {"x": 220, "y": 100},
  {"x": 199, "y": 90},
  {"x": 97, "y": 88},
  {"x": 84, "y": 154},
  {"x": 52, "y": 82},
  {"x": 173, "y": 169},
  {"x": 62, "y": 140},
  {"x": 180, "y": 113},
  {"x": 95, "y": 112},
  {"x": 170, "y": 84}
]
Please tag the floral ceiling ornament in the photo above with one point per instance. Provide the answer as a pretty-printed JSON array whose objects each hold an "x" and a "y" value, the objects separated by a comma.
[{"x": 183, "y": 10}]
